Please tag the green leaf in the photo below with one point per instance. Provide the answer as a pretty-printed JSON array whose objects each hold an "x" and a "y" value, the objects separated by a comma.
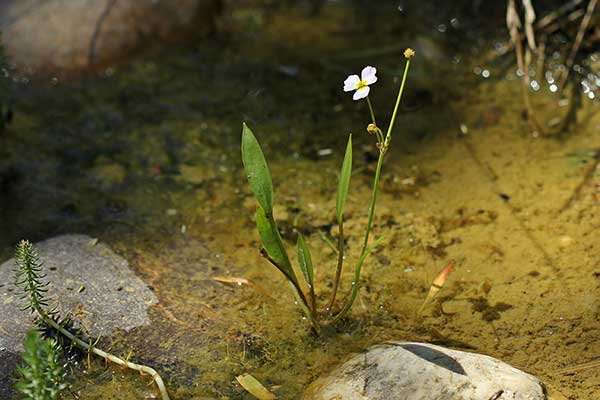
[
  {"x": 254, "y": 387},
  {"x": 271, "y": 240},
  {"x": 305, "y": 260},
  {"x": 257, "y": 170},
  {"x": 344, "y": 181}
]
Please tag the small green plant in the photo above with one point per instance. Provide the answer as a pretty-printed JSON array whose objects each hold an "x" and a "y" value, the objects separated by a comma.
[
  {"x": 31, "y": 278},
  {"x": 42, "y": 374},
  {"x": 273, "y": 248}
]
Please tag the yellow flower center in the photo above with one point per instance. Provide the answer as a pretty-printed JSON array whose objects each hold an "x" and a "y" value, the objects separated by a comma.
[{"x": 362, "y": 84}]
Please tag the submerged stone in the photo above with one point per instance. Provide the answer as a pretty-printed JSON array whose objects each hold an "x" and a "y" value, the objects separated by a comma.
[
  {"x": 58, "y": 35},
  {"x": 419, "y": 371},
  {"x": 87, "y": 281}
]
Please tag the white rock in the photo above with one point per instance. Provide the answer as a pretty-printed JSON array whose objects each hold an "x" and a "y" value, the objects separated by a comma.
[{"x": 419, "y": 371}]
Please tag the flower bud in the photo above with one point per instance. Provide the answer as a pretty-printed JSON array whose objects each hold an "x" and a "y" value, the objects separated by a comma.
[
  {"x": 409, "y": 53},
  {"x": 372, "y": 129}
]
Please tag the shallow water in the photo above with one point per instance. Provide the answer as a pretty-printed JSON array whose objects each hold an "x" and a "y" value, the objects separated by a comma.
[{"x": 146, "y": 158}]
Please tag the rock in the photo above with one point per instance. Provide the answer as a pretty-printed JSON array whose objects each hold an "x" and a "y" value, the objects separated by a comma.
[
  {"x": 58, "y": 35},
  {"x": 418, "y": 371},
  {"x": 88, "y": 281}
]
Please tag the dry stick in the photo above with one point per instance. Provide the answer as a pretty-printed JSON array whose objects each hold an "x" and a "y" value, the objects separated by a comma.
[
  {"x": 529, "y": 20},
  {"x": 578, "y": 39},
  {"x": 559, "y": 24},
  {"x": 513, "y": 22},
  {"x": 142, "y": 369},
  {"x": 546, "y": 28},
  {"x": 548, "y": 19},
  {"x": 580, "y": 367},
  {"x": 541, "y": 55}
]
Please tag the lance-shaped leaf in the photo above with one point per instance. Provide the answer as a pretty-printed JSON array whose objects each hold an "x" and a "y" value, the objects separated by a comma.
[
  {"x": 257, "y": 170},
  {"x": 344, "y": 181},
  {"x": 305, "y": 260},
  {"x": 254, "y": 387},
  {"x": 271, "y": 240}
]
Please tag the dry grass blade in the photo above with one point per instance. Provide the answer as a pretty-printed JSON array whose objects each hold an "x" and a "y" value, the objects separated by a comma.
[
  {"x": 437, "y": 284},
  {"x": 580, "y": 367},
  {"x": 254, "y": 387}
]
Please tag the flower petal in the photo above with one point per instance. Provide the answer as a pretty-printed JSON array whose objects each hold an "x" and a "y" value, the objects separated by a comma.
[
  {"x": 350, "y": 83},
  {"x": 361, "y": 93},
  {"x": 368, "y": 75}
]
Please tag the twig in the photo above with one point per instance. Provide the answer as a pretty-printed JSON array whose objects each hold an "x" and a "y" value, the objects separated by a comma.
[
  {"x": 580, "y": 367},
  {"x": 578, "y": 39},
  {"x": 514, "y": 23},
  {"x": 548, "y": 19}
]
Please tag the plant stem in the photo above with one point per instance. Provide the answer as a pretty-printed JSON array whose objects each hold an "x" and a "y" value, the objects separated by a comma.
[
  {"x": 364, "y": 251},
  {"x": 388, "y": 136},
  {"x": 378, "y": 131},
  {"x": 371, "y": 110},
  {"x": 313, "y": 300},
  {"x": 301, "y": 300},
  {"x": 143, "y": 369},
  {"x": 340, "y": 262},
  {"x": 298, "y": 294}
]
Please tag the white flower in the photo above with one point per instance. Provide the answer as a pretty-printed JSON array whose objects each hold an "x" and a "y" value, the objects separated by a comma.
[{"x": 361, "y": 85}]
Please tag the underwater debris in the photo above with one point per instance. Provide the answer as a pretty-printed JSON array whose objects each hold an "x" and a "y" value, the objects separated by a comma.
[{"x": 437, "y": 284}]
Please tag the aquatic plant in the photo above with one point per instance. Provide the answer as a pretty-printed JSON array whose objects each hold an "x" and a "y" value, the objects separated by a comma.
[
  {"x": 273, "y": 248},
  {"x": 42, "y": 374},
  {"x": 31, "y": 278}
]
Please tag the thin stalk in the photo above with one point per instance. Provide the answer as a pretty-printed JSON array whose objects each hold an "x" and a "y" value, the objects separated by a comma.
[
  {"x": 340, "y": 262},
  {"x": 313, "y": 299},
  {"x": 371, "y": 110},
  {"x": 364, "y": 251},
  {"x": 359, "y": 263},
  {"x": 377, "y": 130},
  {"x": 142, "y": 369},
  {"x": 301, "y": 300},
  {"x": 578, "y": 39},
  {"x": 298, "y": 294},
  {"x": 388, "y": 136}
]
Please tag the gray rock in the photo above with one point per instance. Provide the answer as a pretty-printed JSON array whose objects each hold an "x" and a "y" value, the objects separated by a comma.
[
  {"x": 88, "y": 281},
  {"x": 418, "y": 371},
  {"x": 56, "y": 35}
]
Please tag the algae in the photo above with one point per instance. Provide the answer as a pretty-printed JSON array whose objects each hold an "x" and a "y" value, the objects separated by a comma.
[{"x": 513, "y": 210}]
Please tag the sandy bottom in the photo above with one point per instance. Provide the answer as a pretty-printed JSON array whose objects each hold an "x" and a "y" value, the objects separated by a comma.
[{"x": 518, "y": 214}]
